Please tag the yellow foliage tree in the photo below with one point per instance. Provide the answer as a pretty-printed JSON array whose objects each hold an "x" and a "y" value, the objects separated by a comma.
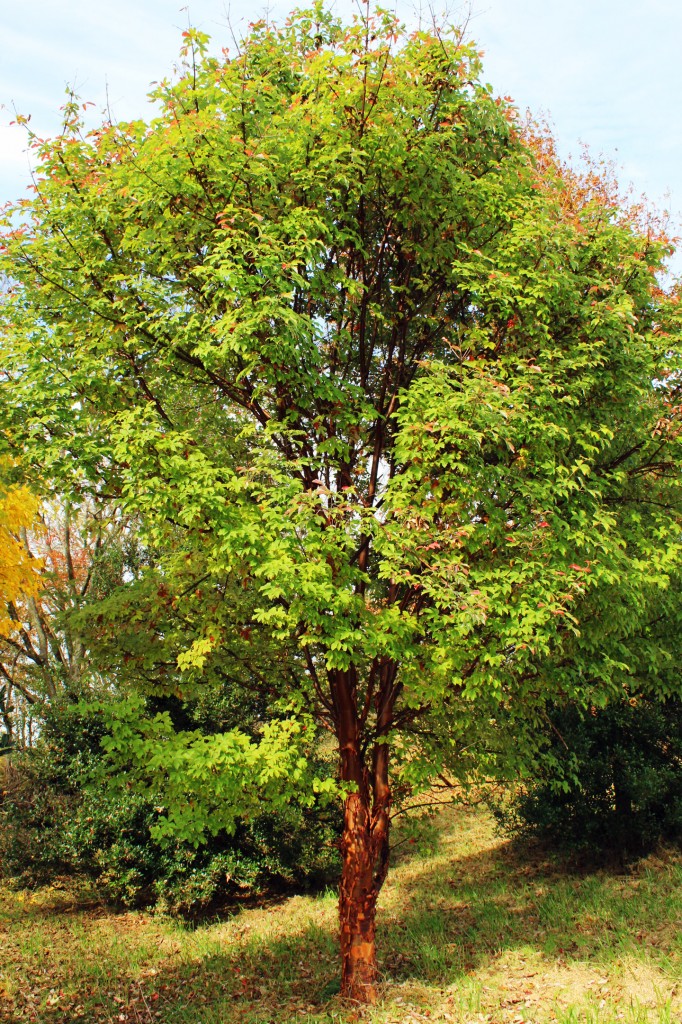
[{"x": 19, "y": 576}]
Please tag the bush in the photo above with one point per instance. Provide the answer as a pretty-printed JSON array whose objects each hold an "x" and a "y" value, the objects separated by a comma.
[
  {"x": 612, "y": 783},
  {"x": 51, "y": 824}
]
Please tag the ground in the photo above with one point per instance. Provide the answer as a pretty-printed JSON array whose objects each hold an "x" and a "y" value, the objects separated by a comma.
[{"x": 473, "y": 930}]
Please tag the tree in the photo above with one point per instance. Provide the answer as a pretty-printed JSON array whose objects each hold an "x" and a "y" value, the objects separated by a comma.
[
  {"x": 19, "y": 576},
  {"x": 18, "y": 508},
  {"x": 341, "y": 332},
  {"x": 18, "y": 569},
  {"x": 82, "y": 553}
]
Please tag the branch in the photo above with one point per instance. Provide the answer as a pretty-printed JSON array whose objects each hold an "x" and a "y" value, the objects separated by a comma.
[{"x": 418, "y": 807}]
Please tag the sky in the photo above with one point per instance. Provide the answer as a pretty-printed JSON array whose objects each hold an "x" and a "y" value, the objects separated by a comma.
[{"x": 607, "y": 74}]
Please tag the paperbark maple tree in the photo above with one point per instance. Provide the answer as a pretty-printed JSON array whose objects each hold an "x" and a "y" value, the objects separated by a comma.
[{"x": 328, "y": 322}]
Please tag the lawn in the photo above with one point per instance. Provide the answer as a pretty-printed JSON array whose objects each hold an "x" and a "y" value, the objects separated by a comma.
[{"x": 472, "y": 930}]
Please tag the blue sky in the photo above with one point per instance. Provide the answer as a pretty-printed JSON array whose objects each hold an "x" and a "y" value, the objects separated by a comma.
[{"x": 608, "y": 74}]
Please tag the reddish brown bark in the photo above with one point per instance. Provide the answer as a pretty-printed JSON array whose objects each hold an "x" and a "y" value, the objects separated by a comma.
[
  {"x": 358, "y": 893},
  {"x": 365, "y": 840}
]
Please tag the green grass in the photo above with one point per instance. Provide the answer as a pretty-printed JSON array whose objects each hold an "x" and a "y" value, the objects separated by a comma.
[{"x": 472, "y": 930}]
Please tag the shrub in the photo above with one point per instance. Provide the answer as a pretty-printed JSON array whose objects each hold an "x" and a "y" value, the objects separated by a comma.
[
  {"x": 51, "y": 824},
  {"x": 612, "y": 783}
]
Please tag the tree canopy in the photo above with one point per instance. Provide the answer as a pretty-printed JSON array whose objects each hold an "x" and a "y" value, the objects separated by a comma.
[{"x": 396, "y": 390}]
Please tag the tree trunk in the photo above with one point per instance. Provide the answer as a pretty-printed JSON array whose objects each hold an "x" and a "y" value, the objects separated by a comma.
[
  {"x": 364, "y": 848},
  {"x": 358, "y": 894}
]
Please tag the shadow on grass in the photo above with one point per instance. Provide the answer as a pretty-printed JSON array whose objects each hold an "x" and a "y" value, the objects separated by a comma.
[{"x": 441, "y": 919}]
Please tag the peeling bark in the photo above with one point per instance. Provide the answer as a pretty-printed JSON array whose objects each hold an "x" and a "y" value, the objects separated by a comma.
[
  {"x": 365, "y": 840},
  {"x": 357, "y": 905}
]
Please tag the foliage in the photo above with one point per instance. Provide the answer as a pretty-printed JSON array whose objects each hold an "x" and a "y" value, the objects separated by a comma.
[
  {"x": 399, "y": 386},
  {"x": 84, "y": 550},
  {"x": 18, "y": 569},
  {"x": 614, "y": 784},
  {"x": 53, "y": 821}
]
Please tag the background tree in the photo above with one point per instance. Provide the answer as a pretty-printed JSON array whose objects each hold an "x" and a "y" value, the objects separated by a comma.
[
  {"x": 338, "y": 336},
  {"x": 18, "y": 569},
  {"x": 83, "y": 552},
  {"x": 19, "y": 579}
]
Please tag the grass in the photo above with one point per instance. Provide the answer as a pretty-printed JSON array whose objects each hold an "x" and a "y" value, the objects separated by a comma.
[{"x": 472, "y": 930}]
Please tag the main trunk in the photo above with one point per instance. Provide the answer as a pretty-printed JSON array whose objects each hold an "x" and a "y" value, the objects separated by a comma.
[
  {"x": 358, "y": 895},
  {"x": 364, "y": 845}
]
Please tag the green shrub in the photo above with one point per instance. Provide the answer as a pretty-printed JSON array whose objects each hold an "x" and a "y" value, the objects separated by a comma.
[
  {"x": 612, "y": 783},
  {"x": 51, "y": 823}
]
